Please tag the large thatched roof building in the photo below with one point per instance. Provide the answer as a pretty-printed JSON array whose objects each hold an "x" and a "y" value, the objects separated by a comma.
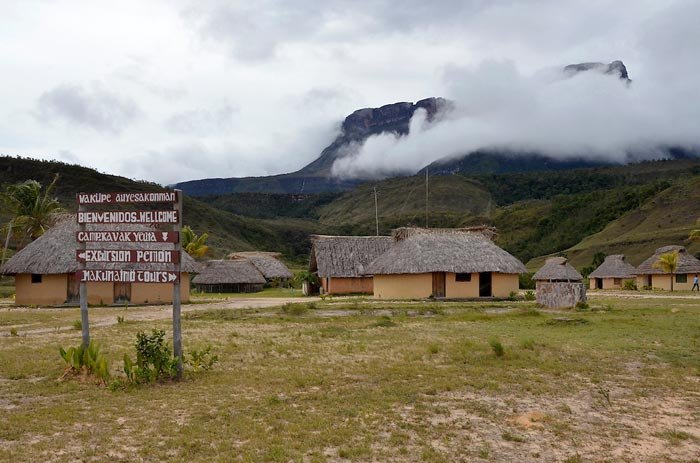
[
  {"x": 650, "y": 276},
  {"x": 558, "y": 284},
  {"x": 267, "y": 263},
  {"x": 612, "y": 273},
  {"x": 229, "y": 276},
  {"x": 45, "y": 270},
  {"x": 444, "y": 263},
  {"x": 340, "y": 261}
]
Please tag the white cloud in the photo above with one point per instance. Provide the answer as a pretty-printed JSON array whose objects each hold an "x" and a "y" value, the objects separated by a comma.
[{"x": 291, "y": 70}]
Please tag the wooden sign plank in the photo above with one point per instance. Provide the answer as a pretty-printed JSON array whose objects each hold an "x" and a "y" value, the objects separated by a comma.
[
  {"x": 128, "y": 236},
  {"x": 127, "y": 276},
  {"x": 137, "y": 217},
  {"x": 127, "y": 197},
  {"x": 136, "y": 256}
]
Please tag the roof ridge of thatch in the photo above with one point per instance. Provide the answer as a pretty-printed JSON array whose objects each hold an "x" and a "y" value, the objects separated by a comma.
[
  {"x": 345, "y": 256},
  {"x": 614, "y": 266},
  {"x": 557, "y": 268},
  {"x": 268, "y": 263},
  {"x": 227, "y": 271},
  {"x": 368, "y": 237},
  {"x": 687, "y": 263},
  {"x": 401, "y": 233},
  {"x": 444, "y": 250}
]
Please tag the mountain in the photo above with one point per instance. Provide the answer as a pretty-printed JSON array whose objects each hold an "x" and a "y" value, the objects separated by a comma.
[
  {"x": 395, "y": 118},
  {"x": 316, "y": 177}
]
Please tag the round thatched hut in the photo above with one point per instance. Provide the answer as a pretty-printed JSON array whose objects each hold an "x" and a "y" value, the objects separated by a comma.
[
  {"x": 45, "y": 270},
  {"x": 612, "y": 273},
  {"x": 267, "y": 263},
  {"x": 340, "y": 261},
  {"x": 559, "y": 285},
  {"x": 229, "y": 276},
  {"x": 444, "y": 263},
  {"x": 651, "y": 277}
]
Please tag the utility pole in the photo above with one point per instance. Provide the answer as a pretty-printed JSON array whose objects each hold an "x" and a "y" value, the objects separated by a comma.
[
  {"x": 376, "y": 210},
  {"x": 177, "y": 327},
  {"x": 426, "y": 197}
]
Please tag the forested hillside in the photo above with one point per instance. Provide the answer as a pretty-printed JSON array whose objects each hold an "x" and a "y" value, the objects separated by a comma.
[{"x": 628, "y": 209}]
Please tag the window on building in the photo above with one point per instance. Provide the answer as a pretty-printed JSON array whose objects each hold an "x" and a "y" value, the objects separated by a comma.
[
  {"x": 36, "y": 278},
  {"x": 681, "y": 278},
  {"x": 463, "y": 277}
]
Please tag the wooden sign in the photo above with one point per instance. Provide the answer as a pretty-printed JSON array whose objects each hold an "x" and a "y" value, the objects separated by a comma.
[
  {"x": 127, "y": 198},
  {"x": 137, "y": 217},
  {"x": 137, "y": 256},
  {"x": 128, "y": 236},
  {"x": 127, "y": 276}
]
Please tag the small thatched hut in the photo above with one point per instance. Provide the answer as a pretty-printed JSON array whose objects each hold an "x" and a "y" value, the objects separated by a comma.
[
  {"x": 612, "y": 273},
  {"x": 688, "y": 268},
  {"x": 45, "y": 271},
  {"x": 229, "y": 276},
  {"x": 267, "y": 263},
  {"x": 444, "y": 263},
  {"x": 559, "y": 285},
  {"x": 340, "y": 261}
]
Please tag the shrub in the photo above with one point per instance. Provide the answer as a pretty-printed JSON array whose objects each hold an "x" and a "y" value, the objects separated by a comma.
[
  {"x": 384, "y": 322},
  {"x": 13, "y": 332},
  {"x": 528, "y": 344},
  {"x": 526, "y": 281},
  {"x": 530, "y": 295},
  {"x": 153, "y": 359},
  {"x": 433, "y": 349},
  {"x": 86, "y": 360},
  {"x": 77, "y": 325},
  {"x": 630, "y": 285},
  {"x": 513, "y": 296},
  {"x": 582, "y": 306},
  {"x": 120, "y": 320},
  {"x": 296, "y": 309},
  {"x": 202, "y": 359},
  {"x": 497, "y": 347}
]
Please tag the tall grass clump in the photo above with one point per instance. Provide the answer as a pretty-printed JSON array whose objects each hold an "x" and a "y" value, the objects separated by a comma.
[{"x": 497, "y": 347}]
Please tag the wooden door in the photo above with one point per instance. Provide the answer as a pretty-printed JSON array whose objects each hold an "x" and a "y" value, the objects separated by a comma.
[
  {"x": 485, "y": 284},
  {"x": 122, "y": 293},
  {"x": 438, "y": 284},
  {"x": 73, "y": 288}
]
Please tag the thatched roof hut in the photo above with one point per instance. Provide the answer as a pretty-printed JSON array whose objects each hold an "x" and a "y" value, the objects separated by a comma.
[
  {"x": 54, "y": 251},
  {"x": 267, "y": 263},
  {"x": 687, "y": 263},
  {"x": 557, "y": 269},
  {"x": 614, "y": 266},
  {"x": 421, "y": 250},
  {"x": 345, "y": 256},
  {"x": 215, "y": 272}
]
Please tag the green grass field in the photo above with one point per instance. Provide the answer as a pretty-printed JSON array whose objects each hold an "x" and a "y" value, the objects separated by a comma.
[{"x": 364, "y": 381}]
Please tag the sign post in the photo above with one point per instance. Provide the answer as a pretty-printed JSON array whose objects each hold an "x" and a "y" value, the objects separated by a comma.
[
  {"x": 177, "y": 328},
  {"x": 135, "y": 255},
  {"x": 84, "y": 322}
]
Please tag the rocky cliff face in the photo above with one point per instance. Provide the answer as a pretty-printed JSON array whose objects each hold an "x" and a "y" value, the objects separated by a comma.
[
  {"x": 394, "y": 118},
  {"x": 616, "y": 67}
]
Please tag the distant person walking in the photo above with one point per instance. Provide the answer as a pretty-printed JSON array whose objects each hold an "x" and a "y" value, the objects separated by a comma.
[{"x": 695, "y": 284}]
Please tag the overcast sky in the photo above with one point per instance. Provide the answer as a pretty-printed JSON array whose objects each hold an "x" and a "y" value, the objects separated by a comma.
[{"x": 177, "y": 90}]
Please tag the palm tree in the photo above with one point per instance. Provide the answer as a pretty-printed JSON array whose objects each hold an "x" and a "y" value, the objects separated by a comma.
[
  {"x": 193, "y": 244},
  {"x": 32, "y": 213},
  {"x": 668, "y": 263}
]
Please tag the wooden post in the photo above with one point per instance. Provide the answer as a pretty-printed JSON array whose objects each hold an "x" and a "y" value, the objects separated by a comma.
[
  {"x": 177, "y": 328},
  {"x": 85, "y": 323}
]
